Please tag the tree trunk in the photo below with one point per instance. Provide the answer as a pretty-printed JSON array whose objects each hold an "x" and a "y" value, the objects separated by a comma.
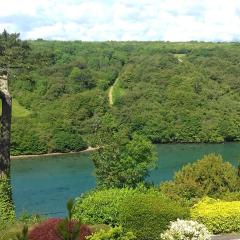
[
  {"x": 5, "y": 127},
  {"x": 6, "y": 201}
]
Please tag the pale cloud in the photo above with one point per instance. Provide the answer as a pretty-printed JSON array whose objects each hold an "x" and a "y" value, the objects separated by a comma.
[{"x": 99, "y": 20}]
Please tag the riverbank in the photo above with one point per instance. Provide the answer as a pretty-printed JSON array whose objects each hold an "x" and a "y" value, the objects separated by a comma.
[{"x": 89, "y": 149}]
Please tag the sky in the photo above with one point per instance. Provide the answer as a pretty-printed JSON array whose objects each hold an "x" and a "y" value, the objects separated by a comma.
[{"x": 122, "y": 20}]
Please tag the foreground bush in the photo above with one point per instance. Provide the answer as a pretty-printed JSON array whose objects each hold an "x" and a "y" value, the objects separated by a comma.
[
  {"x": 209, "y": 176},
  {"x": 186, "y": 230},
  {"x": 45, "y": 230},
  {"x": 102, "y": 207},
  {"x": 16, "y": 228},
  {"x": 218, "y": 216},
  {"x": 24, "y": 234},
  {"x": 7, "y": 213},
  {"x": 148, "y": 216},
  {"x": 116, "y": 233},
  {"x": 10, "y": 232},
  {"x": 49, "y": 230}
]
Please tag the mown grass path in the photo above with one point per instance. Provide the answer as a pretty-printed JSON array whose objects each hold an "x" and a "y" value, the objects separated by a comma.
[
  {"x": 110, "y": 97},
  {"x": 115, "y": 92}
]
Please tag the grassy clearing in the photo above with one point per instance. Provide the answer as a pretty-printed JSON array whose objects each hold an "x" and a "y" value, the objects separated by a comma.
[{"x": 17, "y": 109}]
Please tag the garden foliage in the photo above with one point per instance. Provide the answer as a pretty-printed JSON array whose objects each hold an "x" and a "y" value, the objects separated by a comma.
[
  {"x": 217, "y": 215},
  {"x": 49, "y": 230},
  {"x": 103, "y": 206},
  {"x": 186, "y": 230},
  {"x": 209, "y": 176},
  {"x": 7, "y": 212},
  {"x": 147, "y": 216},
  {"x": 24, "y": 234},
  {"x": 115, "y": 233},
  {"x": 145, "y": 212},
  {"x": 45, "y": 230}
]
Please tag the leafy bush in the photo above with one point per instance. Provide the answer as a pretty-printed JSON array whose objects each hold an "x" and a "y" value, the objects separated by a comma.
[
  {"x": 218, "y": 216},
  {"x": 186, "y": 230},
  {"x": 7, "y": 214},
  {"x": 230, "y": 196},
  {"x": 10, "y": 231},
  {"x": 49, "y": 230},
  {"x": 45, "y": 230},
  {"x": 85, "y": 231},
  {"x": 116, "y": 233},
  {"x": 148, "y": 216},
  {"x": 208, "y": 176},
  {"x": 17, "y": 227},
  {"x": 29, "y": 219},
  {"x": 69, "y": 229},
  {"x": 103, "y": 206}
]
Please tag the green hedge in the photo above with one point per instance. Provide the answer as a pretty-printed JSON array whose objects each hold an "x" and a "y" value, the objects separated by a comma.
[
  {"x": 145, "y": 212},
  {"x": 148, "y": 216},
  {"x": 103, "y": 206},
  {"x": 218, "y": 216}
]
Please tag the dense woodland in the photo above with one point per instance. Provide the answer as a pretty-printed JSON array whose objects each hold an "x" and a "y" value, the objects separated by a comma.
[
  {"x": 120, "y": 97},
  {"x": 169, "y": 92}
]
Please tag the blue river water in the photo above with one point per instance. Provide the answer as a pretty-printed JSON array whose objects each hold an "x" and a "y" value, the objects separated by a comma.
[{"x": 43, "y": 185}]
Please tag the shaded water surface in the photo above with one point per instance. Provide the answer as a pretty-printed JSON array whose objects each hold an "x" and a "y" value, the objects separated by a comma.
[{"x": 43, "y": 184}]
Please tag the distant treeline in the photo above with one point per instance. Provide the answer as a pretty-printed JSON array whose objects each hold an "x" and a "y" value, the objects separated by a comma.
[{"x": 170, "y": 92}]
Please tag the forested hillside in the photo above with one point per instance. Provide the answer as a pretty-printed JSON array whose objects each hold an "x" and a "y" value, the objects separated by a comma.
[{"x": 170, "y": 92}]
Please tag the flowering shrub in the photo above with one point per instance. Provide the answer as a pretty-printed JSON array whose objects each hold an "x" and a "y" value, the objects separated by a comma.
[
  {"x": 186, "y": 230},
  {"x": 217, "y": 215},
  {"x": 48, "y": 230}
]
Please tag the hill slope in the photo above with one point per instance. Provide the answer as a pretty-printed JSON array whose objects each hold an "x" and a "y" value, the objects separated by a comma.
[{"x": 171, "y": 92}]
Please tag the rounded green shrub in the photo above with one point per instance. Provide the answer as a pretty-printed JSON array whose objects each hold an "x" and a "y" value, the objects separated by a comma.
[
  {"x": 217, "y": 215},
  {"x": 210, "y": 176},
  {"x": 103, "y": 206},
  {"x": 148, "y": 215}
]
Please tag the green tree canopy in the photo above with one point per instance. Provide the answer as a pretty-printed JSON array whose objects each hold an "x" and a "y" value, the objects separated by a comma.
[
  {"x": 13, "y": 51},
  {"x": 209, "y": 176},
  {"x": 122, "y": 160}
]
